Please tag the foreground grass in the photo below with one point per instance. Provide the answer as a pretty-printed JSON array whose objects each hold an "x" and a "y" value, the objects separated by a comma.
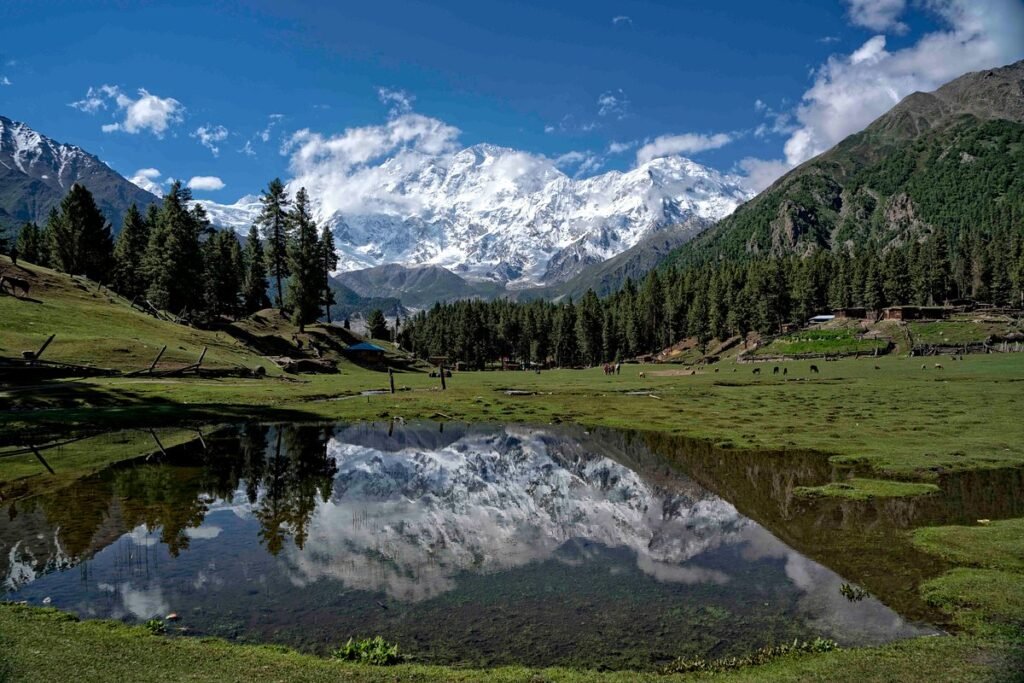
[
  {"x": 987, "y": 594},
  {"x": 46, "y": 645}
]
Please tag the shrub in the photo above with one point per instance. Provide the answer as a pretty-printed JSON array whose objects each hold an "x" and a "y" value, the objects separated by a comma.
[{"x": 375, "y": 651}]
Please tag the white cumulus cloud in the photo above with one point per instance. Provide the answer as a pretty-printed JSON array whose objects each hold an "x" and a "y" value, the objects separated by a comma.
[
  {"x": 206, "y": 183},
  {"x": 146, "y": 112},
  {"x": 5, "y": 81},
  {"x": 210, "y": 136},
  {"x": 686, "y": 143},
  {"x": 878, "y": 15}
]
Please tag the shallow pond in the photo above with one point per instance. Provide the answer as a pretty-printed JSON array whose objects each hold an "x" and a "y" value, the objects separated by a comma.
[{"x": 474, "y": 544}]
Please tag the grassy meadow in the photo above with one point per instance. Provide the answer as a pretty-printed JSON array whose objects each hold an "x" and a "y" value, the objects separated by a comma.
[{"x": 890, "y": 426}]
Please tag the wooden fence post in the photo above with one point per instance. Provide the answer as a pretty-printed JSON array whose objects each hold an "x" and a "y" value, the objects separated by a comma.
[
  {"x": 391, "y": 379},
  {"x": 444, "y": 385}
]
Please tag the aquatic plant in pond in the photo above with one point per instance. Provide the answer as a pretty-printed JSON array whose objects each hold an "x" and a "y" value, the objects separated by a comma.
[{"x": 760, "y": 656}]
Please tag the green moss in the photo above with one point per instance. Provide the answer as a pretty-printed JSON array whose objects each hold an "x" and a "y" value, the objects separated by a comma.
[
  {"x": 863, "y": 489},
  {"x": 994, "y": 545},
  {"x": 983, "y": 600}
]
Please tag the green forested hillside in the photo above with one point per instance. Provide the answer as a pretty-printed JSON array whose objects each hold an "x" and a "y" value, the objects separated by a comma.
[{"x": 950, "y": 161}]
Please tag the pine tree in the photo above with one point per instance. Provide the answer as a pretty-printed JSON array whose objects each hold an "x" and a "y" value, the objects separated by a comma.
[
  {"x": 173, "y": 265},
  {"x": 588, "y": 328},
  {"x": 129, "y": 254},
  {"x": 305, "y": 288},
  {"x": 31, "y": 246},
  {"x": 254, "y": 279},
  {"x": 275, "y": 223},
  {"x": 328, "y": 262},
  {"x": 376, "y": 325},
  {"x": 78, "y": 236},
  {"x": 222, "y": 259}
]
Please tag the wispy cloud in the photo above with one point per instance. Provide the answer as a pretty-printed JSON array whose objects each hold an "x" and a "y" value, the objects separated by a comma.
[
  {"x": 272, "y": 121},
  {"x": 622, "y": 20},
  {"x": 5, "y": 81},
  {"x": 572, "y": 125},
  {"x": 399, "y": 100},
  {"x": 206, "y": 183},
  {"x": 210, "y": 136},
  {"x": 685, "y": 143},
  {"x": 613, "y": 103},
  {"x": 620, "y": 147}
]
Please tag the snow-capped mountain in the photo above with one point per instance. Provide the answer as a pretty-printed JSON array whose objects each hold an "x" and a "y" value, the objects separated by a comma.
[
  {"x": 502, "y": 214},
  {"x": 36, "y": 172}
]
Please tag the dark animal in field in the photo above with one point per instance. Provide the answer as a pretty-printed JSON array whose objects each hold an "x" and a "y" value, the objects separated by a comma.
[
  {"x": 938, "y": 366},
  {"x": 785, "y": 371},
  {"x": 775, "y": 370},
  {"x": 13, "y": 284},
  {"x": 923, "y": 366},
  {"x": 716, "y": 369},
  {"x": 757, "y": 371},
  {"x": 643, "y": 374},
  {"x": 814, "y": 369},
  {"x": 877, "y": 368}
]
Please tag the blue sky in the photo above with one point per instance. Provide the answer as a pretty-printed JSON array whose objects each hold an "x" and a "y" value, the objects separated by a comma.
[{"x": 217, "y": 89}]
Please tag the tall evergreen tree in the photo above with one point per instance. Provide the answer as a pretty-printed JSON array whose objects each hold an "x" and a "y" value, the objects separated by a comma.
[
  {"x": 376, "y": 325},
  {"x": 174, "y": 259},
  {"x": 129, "y": 254},
  {"x": 254, "y": 280},
  {"x": 328, "y": 262},
  {"x": 78, "y": 236},
  {"x": 275, "y": 223},
  {"x": 222, "y": 257},
  {"x": 305, "y": 263},
  {"x": 31, "y": 246}
]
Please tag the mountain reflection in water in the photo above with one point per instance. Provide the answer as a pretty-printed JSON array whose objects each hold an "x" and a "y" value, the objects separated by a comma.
[{"x": 477, "y": 544}]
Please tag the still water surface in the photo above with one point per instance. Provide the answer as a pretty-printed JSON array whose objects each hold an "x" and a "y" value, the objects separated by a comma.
[{"x": 483, "y": 544}]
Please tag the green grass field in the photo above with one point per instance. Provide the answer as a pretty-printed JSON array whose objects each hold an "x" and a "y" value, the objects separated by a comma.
[
  {"x": 820, "y": 342},
  {"x": 890, "y": 431}
]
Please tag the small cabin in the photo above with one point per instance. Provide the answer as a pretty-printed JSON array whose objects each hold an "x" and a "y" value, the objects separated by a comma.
[
  {"x": 915, "y": 313},
  {"x": 365, "y": 352}
]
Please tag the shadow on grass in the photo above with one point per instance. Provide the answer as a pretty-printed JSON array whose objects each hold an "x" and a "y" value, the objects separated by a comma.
[{"x": 51, "y": 409}]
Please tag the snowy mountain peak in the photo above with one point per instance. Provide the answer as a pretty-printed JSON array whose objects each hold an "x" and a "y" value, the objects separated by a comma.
[
  {"x": 36, "y": 172},
  {"x": 502, "y": 214}
]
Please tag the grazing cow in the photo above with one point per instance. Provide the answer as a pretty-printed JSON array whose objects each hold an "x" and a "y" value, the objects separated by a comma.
[
  {"x": 643, "y": 374},
  {"x": 785, "y": 371},
  {"x": 814, "y": 369},
  {"x": 757, "y": 371},
  {"x": 775, "y": 370},
  {"x": 938, "y": 366},
  {"x": 923, "y": 366},
  {"x": 716, "y": 369},
  {"x": 877, "y": 368},
  {"x": 14, "y": 284}
]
